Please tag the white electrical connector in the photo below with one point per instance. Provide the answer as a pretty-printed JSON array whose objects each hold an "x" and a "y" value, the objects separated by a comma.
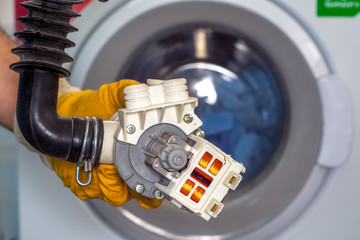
[{"x": 206, "y": 181}]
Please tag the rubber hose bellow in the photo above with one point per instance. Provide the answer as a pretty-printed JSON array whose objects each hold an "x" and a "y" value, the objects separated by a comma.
[{"x": 42, "y": 55}]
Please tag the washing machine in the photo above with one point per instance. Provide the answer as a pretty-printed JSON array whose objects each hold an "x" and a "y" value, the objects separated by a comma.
[{"x": 278, "y": 90}]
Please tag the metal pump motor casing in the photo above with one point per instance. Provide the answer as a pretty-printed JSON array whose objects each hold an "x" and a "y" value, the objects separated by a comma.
[{"x": 159, "y": 150}]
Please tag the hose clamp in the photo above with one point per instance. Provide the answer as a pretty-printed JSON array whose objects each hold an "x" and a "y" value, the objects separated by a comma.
[{"x": 87, "y": 164}]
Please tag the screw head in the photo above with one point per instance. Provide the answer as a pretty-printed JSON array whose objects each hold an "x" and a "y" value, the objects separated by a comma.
[
  {"x": 158, "y": 194},
  {"x": 130, "y": 129},
  {"x": 178, "y": 160},
  {"x": 139, "y": 188},
  {"x": 200, "y": 133},
  {"x": 188, "y": 118}
]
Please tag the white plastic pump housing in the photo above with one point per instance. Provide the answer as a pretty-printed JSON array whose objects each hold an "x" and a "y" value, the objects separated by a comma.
[
  {"x": 209, "y": 174},
  {"x": 157, "y": 102}
]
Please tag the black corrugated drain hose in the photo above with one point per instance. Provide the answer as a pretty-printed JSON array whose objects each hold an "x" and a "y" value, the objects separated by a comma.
[{"x": 40, "y": 67}]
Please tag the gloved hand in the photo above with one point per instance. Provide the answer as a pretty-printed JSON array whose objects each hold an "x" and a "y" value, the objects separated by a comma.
[{"x": 106, "y": 184}]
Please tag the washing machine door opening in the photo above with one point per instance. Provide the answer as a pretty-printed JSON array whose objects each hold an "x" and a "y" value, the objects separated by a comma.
[
  {"x": 256, "y": 84},
  {"x": 241, "y": 103}
]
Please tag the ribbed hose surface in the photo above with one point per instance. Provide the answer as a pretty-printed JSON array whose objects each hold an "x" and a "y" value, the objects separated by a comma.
[{"x": 42, "y": 55}]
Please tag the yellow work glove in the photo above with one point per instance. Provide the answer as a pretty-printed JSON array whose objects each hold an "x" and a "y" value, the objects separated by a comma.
[{"x": 106, "y": 183}]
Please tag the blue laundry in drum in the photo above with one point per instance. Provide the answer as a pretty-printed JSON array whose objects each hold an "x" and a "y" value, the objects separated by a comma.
[
  {"x": 246, "y": 151},
  {"x": 266, "y": 150},
  {"x": 255, "y": 80},
  {"x": 273, "y": 83},
  {"x": 266, "y": 98},
  {"x": 230, "y": 100},
  {"x": 242, "y": 111},
  {"x": 243, "y": 107},
  {"x": 235, "y": 87},
  {"x": 217, "y": 122},
  {"x": 269, "y": 118},
  {"x": 230, "y": 139},
  {"x": 242, "y": 119},
  {"x": 262, "y": 78}
]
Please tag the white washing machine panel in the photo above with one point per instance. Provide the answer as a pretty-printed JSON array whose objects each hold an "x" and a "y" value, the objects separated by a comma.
[{"x": 300, "y": 194}]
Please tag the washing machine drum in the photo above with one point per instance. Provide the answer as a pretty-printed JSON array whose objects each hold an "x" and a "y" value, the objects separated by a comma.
[{"x": 256, "y": 74}]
